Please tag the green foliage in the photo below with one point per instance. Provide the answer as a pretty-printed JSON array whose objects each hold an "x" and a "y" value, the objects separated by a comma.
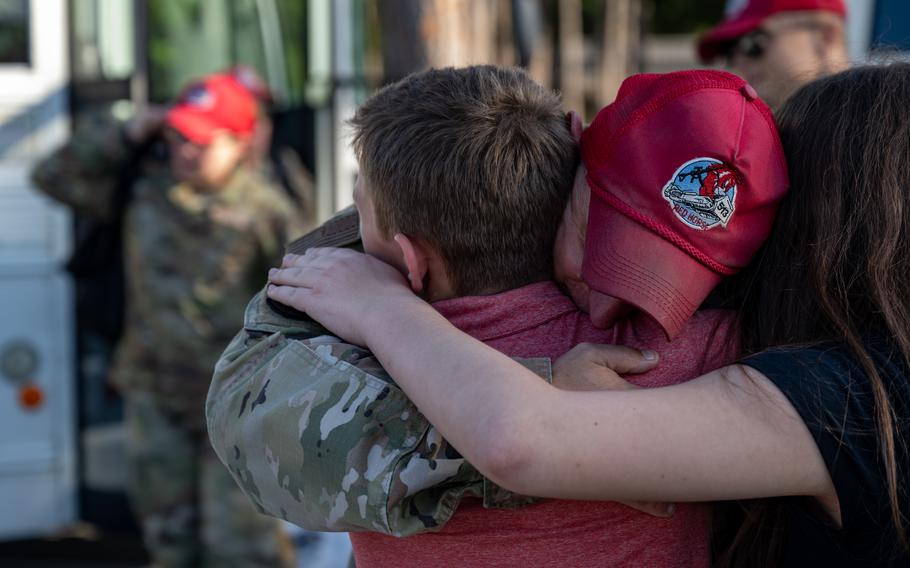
[
  {"x": 293, "y": 32},
  {"x": 683, "y": 16},
  {"x": 190, "y": 38}
]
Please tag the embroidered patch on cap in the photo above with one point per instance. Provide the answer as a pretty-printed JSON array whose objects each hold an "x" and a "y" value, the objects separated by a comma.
[
  {"x": 702, "y": 193},
  {"x": 198, "y": 97}
]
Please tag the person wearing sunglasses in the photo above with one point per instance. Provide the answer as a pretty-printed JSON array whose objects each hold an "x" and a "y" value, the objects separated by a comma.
[{"x": 779, "y": 45}]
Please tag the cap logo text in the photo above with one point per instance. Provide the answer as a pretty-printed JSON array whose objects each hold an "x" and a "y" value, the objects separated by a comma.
[{"x": 702, "y": 193}]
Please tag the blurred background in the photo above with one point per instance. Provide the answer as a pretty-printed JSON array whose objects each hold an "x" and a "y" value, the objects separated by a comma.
[{"x": 61, "y": 61}]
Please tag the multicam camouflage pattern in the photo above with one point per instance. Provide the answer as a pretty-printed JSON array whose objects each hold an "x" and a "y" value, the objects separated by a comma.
[
  {"x": 184, "y": 472},
  {"x": 83, "y": 173},
  {"x": 317, "y": 433},
  {"x": 192, "y": 261}
]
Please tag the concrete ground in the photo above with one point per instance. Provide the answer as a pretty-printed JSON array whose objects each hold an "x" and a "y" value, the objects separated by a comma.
[
  {"x": 103, "y": 503},
  {"x": 83, "y": 547},
  {"x": 75, "y": 551}
]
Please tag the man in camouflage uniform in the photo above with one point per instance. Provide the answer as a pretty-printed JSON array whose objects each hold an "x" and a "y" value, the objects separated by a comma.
[
  {"x": 198, "y": 234},
  {"x": 310, "y": 394},
  {"x": 313, "y": 429}
]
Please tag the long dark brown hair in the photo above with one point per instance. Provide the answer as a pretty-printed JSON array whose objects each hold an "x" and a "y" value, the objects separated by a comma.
[{"x": 836, "y": 266}]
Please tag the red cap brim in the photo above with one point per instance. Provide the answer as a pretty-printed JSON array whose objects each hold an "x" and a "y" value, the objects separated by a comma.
[
  {"x": 195, "y": 126},
  {"x": 712, "y": 43},
  {"x": 626, "y": 260}
]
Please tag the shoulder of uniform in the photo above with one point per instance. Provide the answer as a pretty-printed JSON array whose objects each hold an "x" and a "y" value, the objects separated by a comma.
[
  {"x": 259, "y": 184},
  {"x": 341, "y": 230},
  {"x": 263, "y": 193}
]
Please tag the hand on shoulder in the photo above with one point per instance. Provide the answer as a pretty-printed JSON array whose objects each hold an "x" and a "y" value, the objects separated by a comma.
[{"x": 346, "y": 291}]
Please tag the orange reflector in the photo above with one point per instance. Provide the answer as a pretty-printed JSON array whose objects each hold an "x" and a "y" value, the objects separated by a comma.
[{"x": 31, "y": 396}]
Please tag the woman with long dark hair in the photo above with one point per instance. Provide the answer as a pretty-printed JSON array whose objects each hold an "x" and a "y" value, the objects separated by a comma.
[{"x": 815, "y": 418}]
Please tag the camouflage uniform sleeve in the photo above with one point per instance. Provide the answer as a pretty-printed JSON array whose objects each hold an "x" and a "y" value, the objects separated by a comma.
[
  {"x": 83, "y": 172},
  {"x": 315, "y": 432}
]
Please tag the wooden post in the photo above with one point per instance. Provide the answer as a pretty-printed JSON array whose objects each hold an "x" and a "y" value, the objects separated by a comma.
[
  {"x": 404, "y": 47},
  {"x": 621, "y": 43},
  {"x": 571, "y": 56}
]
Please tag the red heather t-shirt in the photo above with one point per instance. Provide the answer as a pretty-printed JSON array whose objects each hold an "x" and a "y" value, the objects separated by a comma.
[{"x": 540, "y": 321}]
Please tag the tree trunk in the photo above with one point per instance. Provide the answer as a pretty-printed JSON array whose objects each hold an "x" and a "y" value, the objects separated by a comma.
[
  {"x": 404, "y": 48},
  {"x": 621, "y": 44},
  {"x": 571, "y": 56}
]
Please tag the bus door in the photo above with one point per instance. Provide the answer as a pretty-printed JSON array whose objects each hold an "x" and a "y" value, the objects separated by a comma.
[{"x": 37, "y": 410}]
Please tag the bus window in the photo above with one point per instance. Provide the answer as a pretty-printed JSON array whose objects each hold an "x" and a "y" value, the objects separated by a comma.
[{"x": 14, "y": 33}]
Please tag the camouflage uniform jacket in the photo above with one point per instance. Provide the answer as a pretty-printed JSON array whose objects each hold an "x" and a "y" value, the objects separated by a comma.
[
  {"x": 315, "y": 431},
  {"x": 192, "y": 259}
]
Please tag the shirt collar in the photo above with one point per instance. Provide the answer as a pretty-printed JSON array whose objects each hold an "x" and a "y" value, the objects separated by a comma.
[{"x": 500, "y": 315}]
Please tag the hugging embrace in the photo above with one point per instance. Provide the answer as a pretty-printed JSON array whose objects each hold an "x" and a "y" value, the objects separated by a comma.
[{"x": 405, "y": 393}]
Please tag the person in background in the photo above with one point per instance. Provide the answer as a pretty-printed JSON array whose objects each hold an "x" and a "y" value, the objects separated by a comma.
[
  {"x": 199, "y": 229},
  {"x": 282, "y": 165},
  {"x": 262, "y": 136},
  {"x": 779, "y": 45}
]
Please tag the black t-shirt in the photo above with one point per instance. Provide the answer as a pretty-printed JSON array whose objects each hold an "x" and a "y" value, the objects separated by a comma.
[{"x": 833, "y": 395}]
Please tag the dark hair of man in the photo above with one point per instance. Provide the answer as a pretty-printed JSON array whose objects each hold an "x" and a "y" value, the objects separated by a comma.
[
  {"x": 835, "y": 266},
  {"x": 478, "y": 162}
]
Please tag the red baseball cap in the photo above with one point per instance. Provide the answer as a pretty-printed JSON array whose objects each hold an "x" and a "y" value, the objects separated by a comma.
[
  {"x": 686, "y": 171},
  {"x": 744, "y": 16},
  {"x": 217, "y": 102},
  {"x": 253, "y": 82}
]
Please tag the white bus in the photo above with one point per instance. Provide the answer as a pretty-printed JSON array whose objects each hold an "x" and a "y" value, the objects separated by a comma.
[
  {"x": 37, "y": 390},
  {"x": 61, "y": 444}
]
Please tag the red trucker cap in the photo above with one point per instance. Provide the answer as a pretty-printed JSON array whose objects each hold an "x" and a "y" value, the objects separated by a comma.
[
  {"x": 253, "y": 82},
  {"x": 686, "y": 171},
  {"x": 216, "y": 102},
  {"x": 744, "y": 16}
]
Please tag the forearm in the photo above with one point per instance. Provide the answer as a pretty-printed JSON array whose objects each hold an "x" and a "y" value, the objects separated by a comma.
[
  {"x": 472, "y": 393},
  {"x": 723, "y": 436},
  {"x": 83, "y": 173},
  {"x": 726, "y": 435}
]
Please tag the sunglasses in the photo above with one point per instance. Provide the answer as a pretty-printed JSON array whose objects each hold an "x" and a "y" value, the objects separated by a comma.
[{"x": 753, "y": 45}]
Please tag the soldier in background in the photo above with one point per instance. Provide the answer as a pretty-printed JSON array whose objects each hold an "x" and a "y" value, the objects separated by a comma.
[
  {"x": 198, "y": 231},
  {"x": 258, "y": 153},
  {"x": 779, "y": 45}
]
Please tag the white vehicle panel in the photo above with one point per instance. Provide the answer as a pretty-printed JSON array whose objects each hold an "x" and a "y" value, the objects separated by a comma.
[{"x": 38, "y": 488}]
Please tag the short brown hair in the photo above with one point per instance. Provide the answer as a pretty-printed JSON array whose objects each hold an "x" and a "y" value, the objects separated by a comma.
[{"x": 477, "y": 161}]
